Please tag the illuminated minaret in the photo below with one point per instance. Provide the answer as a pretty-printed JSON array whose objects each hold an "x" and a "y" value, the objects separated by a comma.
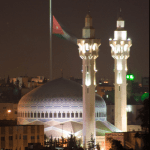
[
  {"x": 88, "y": 51},
  {"x": 120, "y": 50}
]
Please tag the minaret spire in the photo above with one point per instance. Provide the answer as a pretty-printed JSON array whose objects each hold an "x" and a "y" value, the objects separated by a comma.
[
  {"x": 120, "y": 51},
  {"x": 88, "y": 51}
]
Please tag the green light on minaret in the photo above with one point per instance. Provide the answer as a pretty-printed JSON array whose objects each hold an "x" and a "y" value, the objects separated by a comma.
[{"x": 130, "y": 77}]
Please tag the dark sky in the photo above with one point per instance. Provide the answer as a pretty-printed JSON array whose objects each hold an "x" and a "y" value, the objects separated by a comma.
[{"x": 24, "y": 36}]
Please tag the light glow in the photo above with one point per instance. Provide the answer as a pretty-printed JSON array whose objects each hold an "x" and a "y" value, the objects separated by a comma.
[{"x": 9, "y": 111}]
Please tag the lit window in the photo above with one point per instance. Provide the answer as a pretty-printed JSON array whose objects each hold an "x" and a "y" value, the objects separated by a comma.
[{"x": 106, "y": 96}]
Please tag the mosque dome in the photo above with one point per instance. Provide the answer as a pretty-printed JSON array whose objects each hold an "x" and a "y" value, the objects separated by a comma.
[
  {"x": 57, "y": 100},
  {"x": 60, "y": 102}
]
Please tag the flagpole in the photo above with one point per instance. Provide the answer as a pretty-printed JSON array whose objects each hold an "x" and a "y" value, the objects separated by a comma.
[{"x": 51, "y": 24}]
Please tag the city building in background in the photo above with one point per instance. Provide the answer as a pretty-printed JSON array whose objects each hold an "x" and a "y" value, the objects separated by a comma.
[{"x": 18, "y": 137}]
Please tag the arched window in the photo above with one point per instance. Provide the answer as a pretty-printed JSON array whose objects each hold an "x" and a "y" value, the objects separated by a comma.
[
  {"x": 68, "y": 114},
  {"x": 38, "y": 115},
  {"x": 80, "y": 114},
  {"x": 35, "y": 114},
  {"x": 76, "y": 114},
  {"x": 63, "y": 114},
  {"x": 50, "y": 114},
  {"x": 59, "y": 115},
  {"x": 28, "y": 114},
  {"x": 46, "y": 115},
  {"x": 55, "y": 115},
  {"x": 42, "y": 115},
  {"x": 97, "y": 114},
  {"x": 31, "y": 114},
  {"x": 72, "y": 115},
  {"x": 25, "y": 114}
]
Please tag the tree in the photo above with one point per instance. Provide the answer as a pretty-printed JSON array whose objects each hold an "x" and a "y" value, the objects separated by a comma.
[
  {"x": 116, "y": 145},
  {"x": 144, "y": 117}
]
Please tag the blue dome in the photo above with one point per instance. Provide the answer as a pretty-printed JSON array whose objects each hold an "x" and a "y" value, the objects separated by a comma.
[
  {"x": 58, "y": 100},
  {"x": 59, "y": 92}
]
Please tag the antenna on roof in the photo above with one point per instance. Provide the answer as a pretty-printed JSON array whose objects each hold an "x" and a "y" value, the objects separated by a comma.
[{"x": 89, "y": 7}]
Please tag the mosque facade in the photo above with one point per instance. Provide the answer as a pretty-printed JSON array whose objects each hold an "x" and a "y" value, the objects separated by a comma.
[{"x": 58, "y": 106}]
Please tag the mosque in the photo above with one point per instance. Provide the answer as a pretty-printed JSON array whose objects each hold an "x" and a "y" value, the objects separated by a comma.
[
  {"x": 64, "y": 106},
  {"x": 58, "y": 106}
]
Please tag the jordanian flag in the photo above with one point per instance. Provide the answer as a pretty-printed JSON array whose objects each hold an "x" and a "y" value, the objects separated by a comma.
[{"x": 59, "y": 31}]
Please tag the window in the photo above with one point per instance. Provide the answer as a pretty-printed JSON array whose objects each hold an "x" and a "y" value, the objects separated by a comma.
[
  {"x": 97, "y": 114},
  {"x": 37, "y": 136},
  {"x": 38, "y": 115},
  {"x": 42, "y": 115},
  {"x": 46, "y": 115},
  {"x": 2, "y": 138},
  {"x": 34, "y": 114},
  {"x": 25, "y": 114},
  {"x": 55, "y": 115},
  {"x": 24, "y": 137},
  {"x": 16, "y": 136},
  {"x": 20, "y": 136},
  {"x": 21, "y": 114},
  {"x": 80, "y": 114},
  {"x": 32, "y": 137},
  {"x": 31, "y": 114},
  {"x": 102, "y": 90},
  {"x": 59, "y": 115},
  {"x": 63, "y": 115},
  {"x": 100, "y": 114},
  {"x": 28, "y": 114},
  {"x": 15, "y": 112},
  {"x": 76, "y": 115},
  {"x": 4, "y": 107},
  {"x": 72, "y": 115},
  {"x": 68, "y": 114},
  {"x": 50, "y": 115}
]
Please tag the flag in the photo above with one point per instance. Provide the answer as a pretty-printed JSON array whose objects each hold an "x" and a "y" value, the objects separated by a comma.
[{"x": 59, "y": 31}]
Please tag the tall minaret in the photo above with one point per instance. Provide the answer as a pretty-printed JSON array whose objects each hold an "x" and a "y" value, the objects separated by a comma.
[
  {"x": 88, "y": 51},
  {"x": 120, "y": 50}
]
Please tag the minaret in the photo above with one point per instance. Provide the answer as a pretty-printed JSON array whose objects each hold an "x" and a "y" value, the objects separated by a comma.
[
  {"x": 120, "y": 50},
  {"x": 88, "y": 51}
]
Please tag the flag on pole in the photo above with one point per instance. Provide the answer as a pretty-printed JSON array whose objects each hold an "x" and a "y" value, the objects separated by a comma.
[{"x": 59, "y": 31}]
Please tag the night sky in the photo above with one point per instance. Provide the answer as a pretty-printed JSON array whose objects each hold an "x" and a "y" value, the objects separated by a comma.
[{"x": 24, "y": 36}]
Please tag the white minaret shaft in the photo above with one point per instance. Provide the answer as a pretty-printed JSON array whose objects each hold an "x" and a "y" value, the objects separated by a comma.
[
  {"x": 88, "y": 51},
  {"x": 120, "y": 50}
]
